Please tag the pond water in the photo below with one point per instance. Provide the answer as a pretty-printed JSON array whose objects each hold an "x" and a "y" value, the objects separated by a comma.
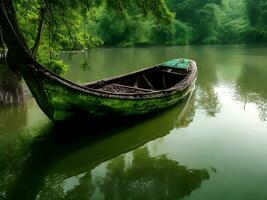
[{"x": 212, "y": 145}]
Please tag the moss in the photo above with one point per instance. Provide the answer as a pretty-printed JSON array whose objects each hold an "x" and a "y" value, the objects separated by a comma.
[{"x": 66, "y": 102}]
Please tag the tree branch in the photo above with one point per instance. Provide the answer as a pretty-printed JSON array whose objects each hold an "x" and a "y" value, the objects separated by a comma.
[{"x": 36, "y": 45}]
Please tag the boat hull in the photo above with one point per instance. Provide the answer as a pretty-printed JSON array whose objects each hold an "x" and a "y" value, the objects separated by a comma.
[
  {"x": 61, "y": 99},
  {"x": 67, "y": 103}
]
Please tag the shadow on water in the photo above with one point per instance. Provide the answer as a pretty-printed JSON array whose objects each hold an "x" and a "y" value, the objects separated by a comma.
[
  {"x": 72, "y": 149},
  {"x": 11, "y": 113},
  {"x": 12, "y": 118}
]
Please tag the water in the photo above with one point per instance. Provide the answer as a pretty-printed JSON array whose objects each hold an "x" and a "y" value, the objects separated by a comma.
[{"x": 213, "y": 145}]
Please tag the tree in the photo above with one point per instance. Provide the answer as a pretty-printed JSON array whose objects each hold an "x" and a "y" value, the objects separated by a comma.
[
  {"x": 58, "y": 14},
  {"x": 234, "y": 26},
  {"x": 257, "y": 13},
  {"x": 199, "y": 16}
]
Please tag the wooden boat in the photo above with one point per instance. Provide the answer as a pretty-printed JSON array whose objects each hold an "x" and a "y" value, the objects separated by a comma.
[{"x": 137, "y": 93}]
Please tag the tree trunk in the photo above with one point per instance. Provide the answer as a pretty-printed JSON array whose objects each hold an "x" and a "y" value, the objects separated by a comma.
[
  {"x": 39, "y": 32},
  {"x": 2, "y": 45},
  {"x": 11, "y": 91}
]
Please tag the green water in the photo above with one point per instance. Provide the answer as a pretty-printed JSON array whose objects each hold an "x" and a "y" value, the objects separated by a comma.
[{"x": 213, "y": 145}]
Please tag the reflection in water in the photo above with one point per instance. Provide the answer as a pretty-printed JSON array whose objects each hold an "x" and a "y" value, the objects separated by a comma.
[
  {"x": 145, "y": 177},
  {"x": 40, "y": 160},
  {"x": 10, "y": 86},
  {"x": 11, "y": 114},
  {"x": 46, "y": 170},
  {"x": 11, "y": 147},
  {"x": 150, "y": 178},
  {"x": 207, "y": 81},
  {"x": 252, "y": 87},
  {"x": 208, "y": 101}
]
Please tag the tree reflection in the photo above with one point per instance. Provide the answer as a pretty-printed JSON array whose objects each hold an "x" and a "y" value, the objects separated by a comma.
[
  {"x": 209, "y": 101},
  {"x": 252, "y": 88},
  {"x": 187, "y": 114},
  {"x": 146, "y": 177},
  {"x": 150, "y": 178},
  {"x": 84, "y": 190},
  {"x": 207, "y": 79},
  {"x": 11, "y": 91}
]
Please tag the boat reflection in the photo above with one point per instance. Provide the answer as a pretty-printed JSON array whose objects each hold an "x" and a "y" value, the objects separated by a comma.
[{"x": 61, "y": 165}]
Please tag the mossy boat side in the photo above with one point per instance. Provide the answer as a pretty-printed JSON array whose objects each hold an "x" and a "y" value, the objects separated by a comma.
[{"x": 137, "y": 93}]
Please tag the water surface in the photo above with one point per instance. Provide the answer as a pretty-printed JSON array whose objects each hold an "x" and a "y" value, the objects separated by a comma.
[{"x": 213, "y": 145}]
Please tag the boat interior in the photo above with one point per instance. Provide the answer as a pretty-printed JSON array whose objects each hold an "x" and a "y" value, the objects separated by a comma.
[{"x": 150, "y": 80}]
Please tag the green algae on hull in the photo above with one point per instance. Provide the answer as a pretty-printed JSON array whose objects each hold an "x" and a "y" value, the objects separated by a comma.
[{"x": 61, "y": 99}]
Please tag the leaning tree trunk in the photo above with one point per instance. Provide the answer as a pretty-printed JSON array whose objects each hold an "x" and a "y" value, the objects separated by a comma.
[
  {"x": 11, "y": 91},
  {"x": 34, "y": 49}
]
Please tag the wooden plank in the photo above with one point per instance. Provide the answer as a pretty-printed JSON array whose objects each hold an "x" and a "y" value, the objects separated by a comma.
[
  {"x": 163, "y": 82},
  {"x": 147, "y": 81},
  {"x": 126, "y": 86},
  {"x": 174, "y": 73},
  {"x": 136, "y": 83}
]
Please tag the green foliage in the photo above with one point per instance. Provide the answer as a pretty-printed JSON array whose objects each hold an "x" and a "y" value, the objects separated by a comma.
[
  {"x": 55, "y": 25},
  {"x": 200, "y": 17},
  {"x": 56, "y": 66},
  {"x": 52, "y": 62},
  {"x": 257, "y": 12},
  {"x": 183, "y": 32},
  {"x": 133, "y": 29},
  {"x": 75, "y": 25},
  {"x": 234, "y": 22},
  {"x": 27, "y": 13},
  {"x": 137, "y": 32},
  {"x": 110, "y": 28},
  {"x": 190, "y": 22},
  {"x": 128, "y": 30}
]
